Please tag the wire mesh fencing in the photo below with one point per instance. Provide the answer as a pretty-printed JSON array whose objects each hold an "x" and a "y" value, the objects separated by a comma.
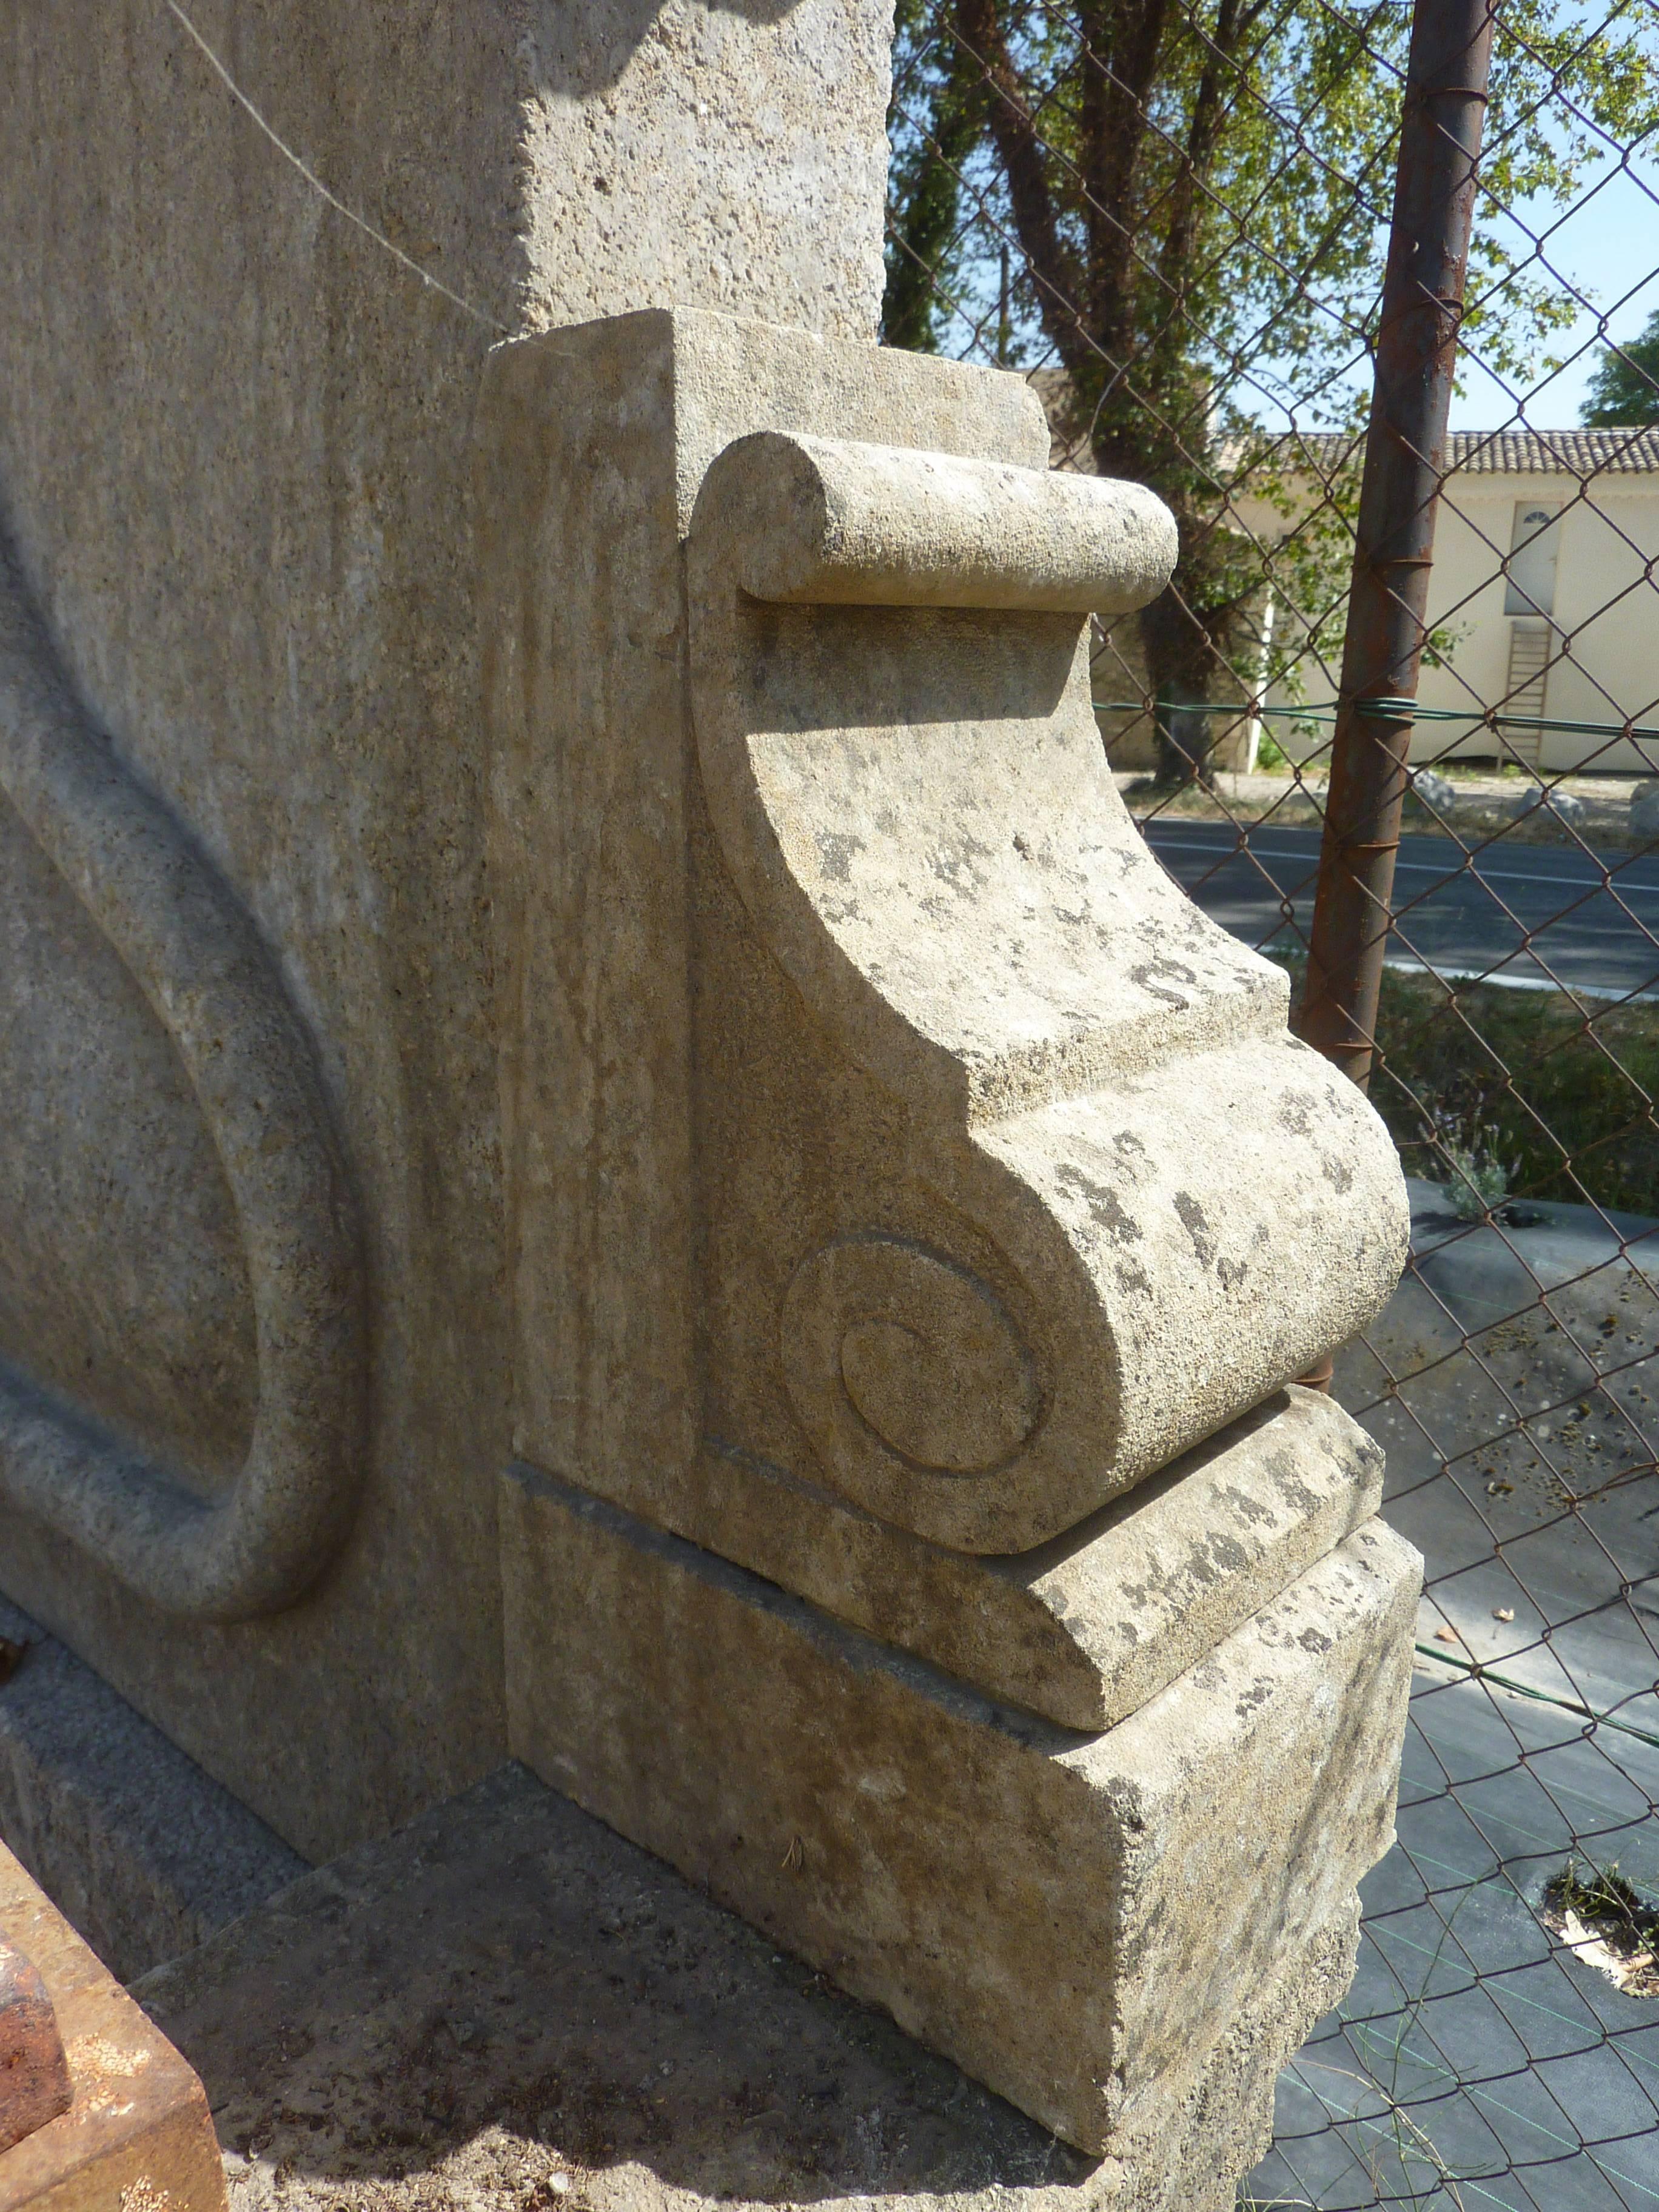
[{"x": 1183, "y": 220}]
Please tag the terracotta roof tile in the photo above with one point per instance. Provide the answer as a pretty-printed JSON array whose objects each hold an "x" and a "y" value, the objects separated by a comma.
[
  {"x": 1552, "y": 452},
  {"x": 1582, "y": 453},
  {"x": 1586, "y": 454}
]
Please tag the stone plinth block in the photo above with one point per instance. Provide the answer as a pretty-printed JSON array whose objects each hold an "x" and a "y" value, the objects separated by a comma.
[
  {"x": 136, "y": 2134},
  {"x": 1092, "y": 1924}
]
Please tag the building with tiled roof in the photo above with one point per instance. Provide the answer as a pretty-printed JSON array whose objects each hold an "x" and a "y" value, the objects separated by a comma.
[
  {"x": 1586, "y": 454},
  {"x": 1582, "y": 453},
  {"x": 1544, "y": 584}
]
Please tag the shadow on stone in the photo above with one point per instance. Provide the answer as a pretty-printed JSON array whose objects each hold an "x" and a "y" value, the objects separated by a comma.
[{"x": 576, "y": 53}]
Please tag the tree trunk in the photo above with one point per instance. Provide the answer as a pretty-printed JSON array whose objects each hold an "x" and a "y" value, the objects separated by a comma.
[{"x": 1179, "y": 664}]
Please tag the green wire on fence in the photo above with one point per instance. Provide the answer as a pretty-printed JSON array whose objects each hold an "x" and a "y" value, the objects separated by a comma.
[
  {"x": 1478, "y": 1671},
  {"x": 1395, "y": 709}
]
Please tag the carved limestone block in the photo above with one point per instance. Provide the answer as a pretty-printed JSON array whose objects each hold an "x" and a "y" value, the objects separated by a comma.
[
  {"x": 1125, "y": 1204},
  {"x": 160, "y": 1076},
  {"x": 1125, "y": 1933},
  {"x": 917, "y": 1211}
]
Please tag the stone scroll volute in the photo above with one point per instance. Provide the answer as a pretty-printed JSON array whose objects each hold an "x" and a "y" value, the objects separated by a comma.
[{"x": 1121, "y": 1204}]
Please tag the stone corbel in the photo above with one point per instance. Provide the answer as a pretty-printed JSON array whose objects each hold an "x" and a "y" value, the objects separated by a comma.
[
  {"x": 917, "y": 1214},
  {"x": 1186, "y": 1207}
]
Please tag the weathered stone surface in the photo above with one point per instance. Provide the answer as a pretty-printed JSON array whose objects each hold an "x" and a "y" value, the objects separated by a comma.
[
  {"x": 899, "y": 1173},
  {"x": 34, "y": 2083},
  {"x": 731, "y": 157},
  {"x": 261, "y": 1542},
  {"x": 1143, "y": 1589},
  {"x": 507, "y": 1991},
  {"x": 878, "y": 1127},
  {"x": 967, "y": 1159},
  {"x": 926, "y": 1085},
  {"x": 593, "y": 443},
  {"x": 838, "y": 522},
  {"x": 137, "y": 2135},
  {"x": 1085, "y": 1628},
  {"x": 235, "y": 442},
  {"x": 1078, "y": 1920}
]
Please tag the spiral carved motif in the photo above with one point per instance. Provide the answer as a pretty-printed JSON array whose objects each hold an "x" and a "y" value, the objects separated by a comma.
[{"x": 892, "y": 1351}]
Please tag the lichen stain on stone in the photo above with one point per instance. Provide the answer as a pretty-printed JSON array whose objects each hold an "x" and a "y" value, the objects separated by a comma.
[
  {"x": 101, "y": 2070},
  {"x": 1105, "y": 1208},
  {"x": 1195, "y": 1222},
  {"x": 144, "y": 2195},
  {"x": 1290, "y": 1486},
  {"x": 1150, "y": 975},
  {"x": 837, "y": 851},
  {"x": 1251, "y": 1508}
]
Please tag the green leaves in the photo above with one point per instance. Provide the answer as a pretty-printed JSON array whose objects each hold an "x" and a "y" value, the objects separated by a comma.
[
  {"x": 1624, "y": 388},
  {"x": 1196, "y": 194},
  {"x": 926, "y": 239}
]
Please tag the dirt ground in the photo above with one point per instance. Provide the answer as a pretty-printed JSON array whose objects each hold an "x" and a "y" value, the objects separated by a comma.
[{"x": 507, "y": 2009}]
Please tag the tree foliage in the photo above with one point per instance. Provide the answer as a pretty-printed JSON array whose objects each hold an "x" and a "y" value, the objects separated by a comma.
[
  {"x": 1198, "y": 192},
  {"x": 1624, "y": 389}
]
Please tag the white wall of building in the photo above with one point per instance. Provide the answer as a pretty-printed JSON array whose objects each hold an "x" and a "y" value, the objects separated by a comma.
[{"x": 1603, "y": 631}]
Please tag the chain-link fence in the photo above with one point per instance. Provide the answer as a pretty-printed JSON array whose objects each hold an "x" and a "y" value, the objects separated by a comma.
[{"x": 1175, "y": 216}]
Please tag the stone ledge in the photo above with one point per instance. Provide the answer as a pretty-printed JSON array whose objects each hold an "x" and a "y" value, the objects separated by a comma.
[{"x": 145, "y": 1853}]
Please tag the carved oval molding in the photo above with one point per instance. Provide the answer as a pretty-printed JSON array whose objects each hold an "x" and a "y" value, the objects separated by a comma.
[
  {"x": 894, "y": 1350},
  {"x": 198, "y": 960}
]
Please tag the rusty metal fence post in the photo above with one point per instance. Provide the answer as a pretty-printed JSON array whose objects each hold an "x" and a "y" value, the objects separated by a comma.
[{"x": 1444, "y": 110}]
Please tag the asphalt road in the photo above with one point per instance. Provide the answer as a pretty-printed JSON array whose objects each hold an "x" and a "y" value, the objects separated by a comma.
[
  {"x": 1531, "y": 914},
  {"x": 1475, "y": 2062}
]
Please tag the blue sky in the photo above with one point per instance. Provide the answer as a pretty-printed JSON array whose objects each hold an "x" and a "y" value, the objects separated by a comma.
[
  {"x": 1604, "y": 248},
  {"x": 1607, "y": 248}
]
